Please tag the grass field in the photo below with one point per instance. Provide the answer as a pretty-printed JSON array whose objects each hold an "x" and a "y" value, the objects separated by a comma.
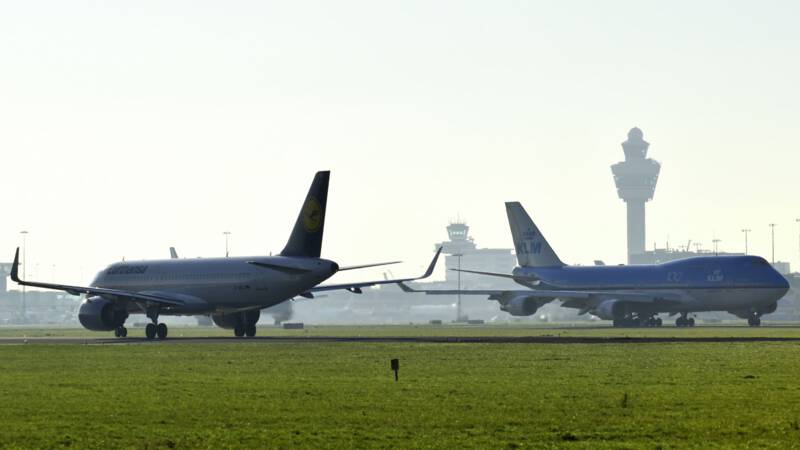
[
  {"x": 578, "y": 330},
  {"x": 342, "y": 394}
]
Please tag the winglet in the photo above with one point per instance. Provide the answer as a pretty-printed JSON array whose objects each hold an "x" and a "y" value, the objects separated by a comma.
[
  {"x": 433, "y": 264},
  {"x": 406, "y": 288},
  {"x": 15, "y": 268}
]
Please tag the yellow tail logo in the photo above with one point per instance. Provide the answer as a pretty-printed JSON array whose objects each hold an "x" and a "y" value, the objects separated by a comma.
[{"x": 312, "y": 215}]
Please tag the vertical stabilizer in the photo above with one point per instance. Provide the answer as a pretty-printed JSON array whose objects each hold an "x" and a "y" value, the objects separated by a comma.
[
  {"x": 306, "y": 238},
  {"x": 531, "y": 246}
]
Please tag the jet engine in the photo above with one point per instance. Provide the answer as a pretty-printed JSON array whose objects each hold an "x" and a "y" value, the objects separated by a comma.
[
  {"x": 230, "y": 321},
  {"x": 99, "y": 314},
  {"x": 521, "y": 306},
  {"x": 609, "y": 310}
]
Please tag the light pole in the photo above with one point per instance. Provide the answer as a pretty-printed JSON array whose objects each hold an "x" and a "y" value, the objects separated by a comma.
[
  {"x": 458, "y": 304},
  {"x": 745, "y": 231},
  {"x": 24, "y": 274},
  {"x": 798, "y": 240},
  {"x": 772, "y": 226},
  {"x": 716, "y": 246},
  {"x": 227, "y": 234}
]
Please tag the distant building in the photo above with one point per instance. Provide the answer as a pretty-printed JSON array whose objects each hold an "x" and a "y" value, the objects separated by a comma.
[
  {"x": 5, "y": 269},
  {"x": 661, "y": 255},
  {"x": 461, "y": 251},
  {"x": 782, "y": 267}
]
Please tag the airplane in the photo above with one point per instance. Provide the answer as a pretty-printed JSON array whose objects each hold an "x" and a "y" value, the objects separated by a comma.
[
  {"x": 233, "y": 290},
  {"x": 746, "y": 286}
]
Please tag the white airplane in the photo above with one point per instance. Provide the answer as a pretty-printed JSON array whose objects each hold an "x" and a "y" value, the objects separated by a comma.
[{"x": 232, "y": 290}]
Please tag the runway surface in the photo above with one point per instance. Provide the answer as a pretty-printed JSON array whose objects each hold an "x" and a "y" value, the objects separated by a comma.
[{"x": 395, "y": 340}]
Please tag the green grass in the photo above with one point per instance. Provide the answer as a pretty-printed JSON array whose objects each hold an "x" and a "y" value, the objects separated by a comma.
[
  {"x": 578, "y": 330},
  {"x": 328, "y": 394}
]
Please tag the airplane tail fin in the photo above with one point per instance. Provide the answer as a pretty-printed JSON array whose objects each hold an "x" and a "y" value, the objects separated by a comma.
[
  {"x": 531, "y": 246},
  {"x": 306, "y": 238}
]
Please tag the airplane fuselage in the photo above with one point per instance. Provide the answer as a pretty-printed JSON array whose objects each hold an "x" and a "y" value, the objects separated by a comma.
[
  {"x": 213, "y": 284},
  {"x": 713, "y": 283}
]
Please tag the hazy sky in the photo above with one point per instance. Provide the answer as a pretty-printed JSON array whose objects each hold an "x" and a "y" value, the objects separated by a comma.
[{"x": 127, "y": 127}]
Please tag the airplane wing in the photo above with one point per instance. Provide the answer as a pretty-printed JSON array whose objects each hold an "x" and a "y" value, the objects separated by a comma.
[
  {"x": 356, "y": 287},
  {"x": 568, "y": 296},
  {"x": 111, "y": 294}
]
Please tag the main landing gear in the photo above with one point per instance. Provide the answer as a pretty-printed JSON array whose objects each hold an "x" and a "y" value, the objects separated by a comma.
[
  {"x": 684, "y": 320},
  {"x": 120, "y": 331},
  {"x": 246, "y": 324},
  {"x": 638, "y": 320},
  {"x": 155, "y": 329}
]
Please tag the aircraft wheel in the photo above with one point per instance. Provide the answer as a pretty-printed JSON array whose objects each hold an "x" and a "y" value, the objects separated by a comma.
[
  {"x": 250, "y": 330},
  {"x": 659, "y": 322},
  {"x": 161, "y": 330},
  {"x": 120, "y": 332},
  {"x": 150, "y": 331},
  {"x": 238, "y": 330},
  {"x": 691, "y": 322},
  {"x": 124, "y": 331}
]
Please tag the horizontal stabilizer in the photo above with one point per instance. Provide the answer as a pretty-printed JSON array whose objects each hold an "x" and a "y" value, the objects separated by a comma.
[
  {"x": 501, "y": 275},
  {"x": 356, "y": 288},
  {"x": 364, "y": 266}
]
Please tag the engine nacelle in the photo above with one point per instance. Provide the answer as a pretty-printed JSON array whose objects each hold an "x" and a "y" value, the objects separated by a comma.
[
  {"x": 521, "y": 306},
  {"x": 608, "y": 310},
  {"x": 230, "y": 321},
  {"x": 99, "y": 314}
]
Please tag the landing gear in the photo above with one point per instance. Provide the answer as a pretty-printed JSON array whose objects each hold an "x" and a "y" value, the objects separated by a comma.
[
  {"x": 246, "y": 324},
  {"x": 120, "y": 332},
  {"x": 754, "y": 320},
  {"x": 638, "y": 320},
  {"x": 155, "y": 329},
  {"x": 150, "y": 331},
  {"x": 684, "y": 321}
]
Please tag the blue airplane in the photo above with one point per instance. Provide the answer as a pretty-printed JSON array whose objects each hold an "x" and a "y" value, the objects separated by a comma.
[{"x": 746, "y": 286}]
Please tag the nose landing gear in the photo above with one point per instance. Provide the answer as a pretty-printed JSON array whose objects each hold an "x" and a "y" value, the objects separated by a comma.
[{"x": 754, "y": 320}]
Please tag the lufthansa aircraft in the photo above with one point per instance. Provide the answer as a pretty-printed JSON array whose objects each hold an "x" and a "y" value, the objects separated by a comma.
[
  {"x": 232, "y": 290},
  {"x": 746, "y": 286}
]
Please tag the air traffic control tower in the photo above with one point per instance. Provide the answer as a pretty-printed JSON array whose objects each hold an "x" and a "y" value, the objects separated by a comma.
[{"x": 636, "y": 179}]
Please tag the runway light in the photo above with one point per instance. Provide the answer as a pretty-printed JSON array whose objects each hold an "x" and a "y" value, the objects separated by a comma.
[{"x": 396, "y": 368}]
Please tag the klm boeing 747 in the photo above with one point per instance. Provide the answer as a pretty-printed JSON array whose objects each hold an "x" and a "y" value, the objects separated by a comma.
[
  {"x": 746, "y": 286},
  {"x": 232, "y": 290}
]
